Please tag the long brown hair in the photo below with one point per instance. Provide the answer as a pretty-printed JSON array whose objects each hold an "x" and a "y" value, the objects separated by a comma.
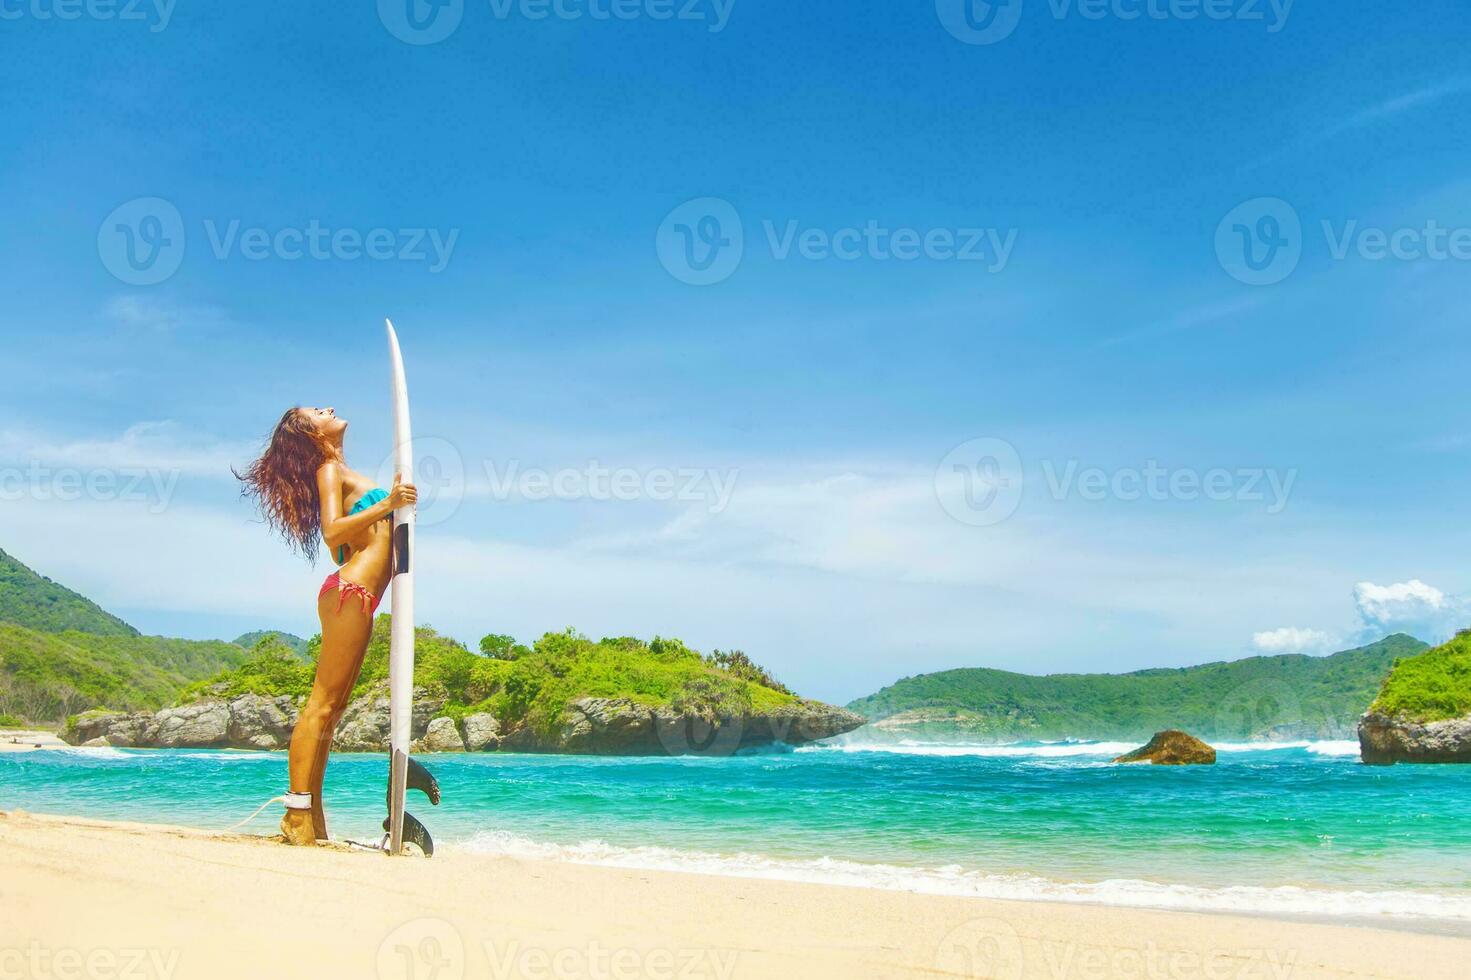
[{"x": 283, "y": 482}]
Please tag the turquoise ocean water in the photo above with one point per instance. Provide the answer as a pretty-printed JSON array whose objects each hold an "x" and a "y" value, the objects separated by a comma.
[{"x": 1296, "y": 829}]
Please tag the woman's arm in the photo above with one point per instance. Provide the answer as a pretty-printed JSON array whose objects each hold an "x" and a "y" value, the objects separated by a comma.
[{"x": 338, "y": 530}]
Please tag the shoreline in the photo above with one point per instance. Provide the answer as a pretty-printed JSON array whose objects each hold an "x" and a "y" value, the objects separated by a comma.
[
  {"x": 1434, "y": 904},
  {"x": 232, "y": 905},
  {"x": 30, "y": 740}
]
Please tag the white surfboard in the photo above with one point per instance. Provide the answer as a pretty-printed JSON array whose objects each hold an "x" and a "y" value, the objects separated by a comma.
[{"x": 403, "y": 773}]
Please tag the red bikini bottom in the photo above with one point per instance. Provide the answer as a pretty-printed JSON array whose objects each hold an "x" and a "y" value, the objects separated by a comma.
[{"x": 344, "y": 589}]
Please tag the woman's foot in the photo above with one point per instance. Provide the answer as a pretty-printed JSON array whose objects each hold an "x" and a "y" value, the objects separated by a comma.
[{"x": 297, "y": 827}]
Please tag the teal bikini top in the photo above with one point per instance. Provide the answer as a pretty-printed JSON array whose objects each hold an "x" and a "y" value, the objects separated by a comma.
[{"x": 372, "y": 498}]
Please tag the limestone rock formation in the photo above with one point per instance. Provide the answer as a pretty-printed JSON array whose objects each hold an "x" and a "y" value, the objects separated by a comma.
[
  {"x": 1172, "y": 748},
  {"x": 1384, "y": 740}
]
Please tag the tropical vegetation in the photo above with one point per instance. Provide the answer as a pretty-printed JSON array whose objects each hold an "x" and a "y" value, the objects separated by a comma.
[
  {"x": 36, "y": 602},
  {"x": 1434, "y": 686},
  {"x": 1291, "y": 696},
  {"x": 531, "y": 684}
]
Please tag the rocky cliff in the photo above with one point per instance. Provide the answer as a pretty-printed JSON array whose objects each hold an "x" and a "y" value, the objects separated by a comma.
[
  {"x": 1423, "y": 711},
  {"x": 590, "y": 726},
  {"x": 1384, "y": 740}
]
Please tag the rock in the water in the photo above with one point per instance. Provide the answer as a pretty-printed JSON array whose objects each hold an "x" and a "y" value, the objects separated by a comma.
[
  {"x": 100, "y": 742},
  {"x": 1384, "y": 740},
  {"x": 441, "y": 736},
  {"x": 482, "y": 733},
  {"x": 1172, "y": 748}
]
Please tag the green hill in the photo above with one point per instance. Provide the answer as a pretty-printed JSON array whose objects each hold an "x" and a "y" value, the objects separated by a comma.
[
  {"x": 60, "y": 653},
  {"x": 1433, "y": 686},
  {"x": 296, "y": 643},
  {"x": 36, "y": 602},
  {"x": 531, "y": 684},
  {"x": 47, "y": 676},
  {"x": 1279, "y": 697}
]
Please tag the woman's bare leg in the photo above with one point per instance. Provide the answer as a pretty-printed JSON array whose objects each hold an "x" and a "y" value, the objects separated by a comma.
[
  {"x": 319, "y": 775},
  {"x": 345, "y": 633},
  {"x": 319, "y": 764}
]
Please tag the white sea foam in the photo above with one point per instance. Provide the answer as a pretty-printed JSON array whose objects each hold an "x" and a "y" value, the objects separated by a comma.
[
  {"x": 91, "y": 752},
  {"x": 1017, "y": 750},
  {"x": 954, "y": 880},
  {"x": 236, "y": 756},
  {"x": 1067, "y": 749}
]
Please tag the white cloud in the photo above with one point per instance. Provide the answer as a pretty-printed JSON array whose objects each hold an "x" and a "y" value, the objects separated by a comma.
[
  {"x": 161, "y": 446},
  {"x": 839, "y": 575},
  {"x": 1400, "y": 602},
  {"x": 138, "y": 312},
  {"x": 1291, "y": 639},
  {"x": 1411, "y": 607}
]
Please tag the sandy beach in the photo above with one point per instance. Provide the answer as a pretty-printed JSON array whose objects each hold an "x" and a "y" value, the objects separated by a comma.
[
  {"x": 85, "y": 898},
  {"x": 29, "y": 740}
]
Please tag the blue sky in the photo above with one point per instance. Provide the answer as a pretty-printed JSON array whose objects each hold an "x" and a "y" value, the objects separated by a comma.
[{"x": 832, "y": 396}]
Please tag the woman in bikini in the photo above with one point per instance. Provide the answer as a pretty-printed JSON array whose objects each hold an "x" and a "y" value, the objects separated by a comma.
[{"x": 306, "y": 491}]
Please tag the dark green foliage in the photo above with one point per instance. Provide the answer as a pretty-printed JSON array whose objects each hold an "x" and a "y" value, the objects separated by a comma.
[
  {"x": 1296, "y": 696},
  {"x": 1434, "y": 686},
  {"x": 36, "y": 602}
]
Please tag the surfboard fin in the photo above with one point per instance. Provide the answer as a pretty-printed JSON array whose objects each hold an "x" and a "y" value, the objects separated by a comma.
[
  {"x": 423, "y": 780},
  {"x": 415, "y": 833}
]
